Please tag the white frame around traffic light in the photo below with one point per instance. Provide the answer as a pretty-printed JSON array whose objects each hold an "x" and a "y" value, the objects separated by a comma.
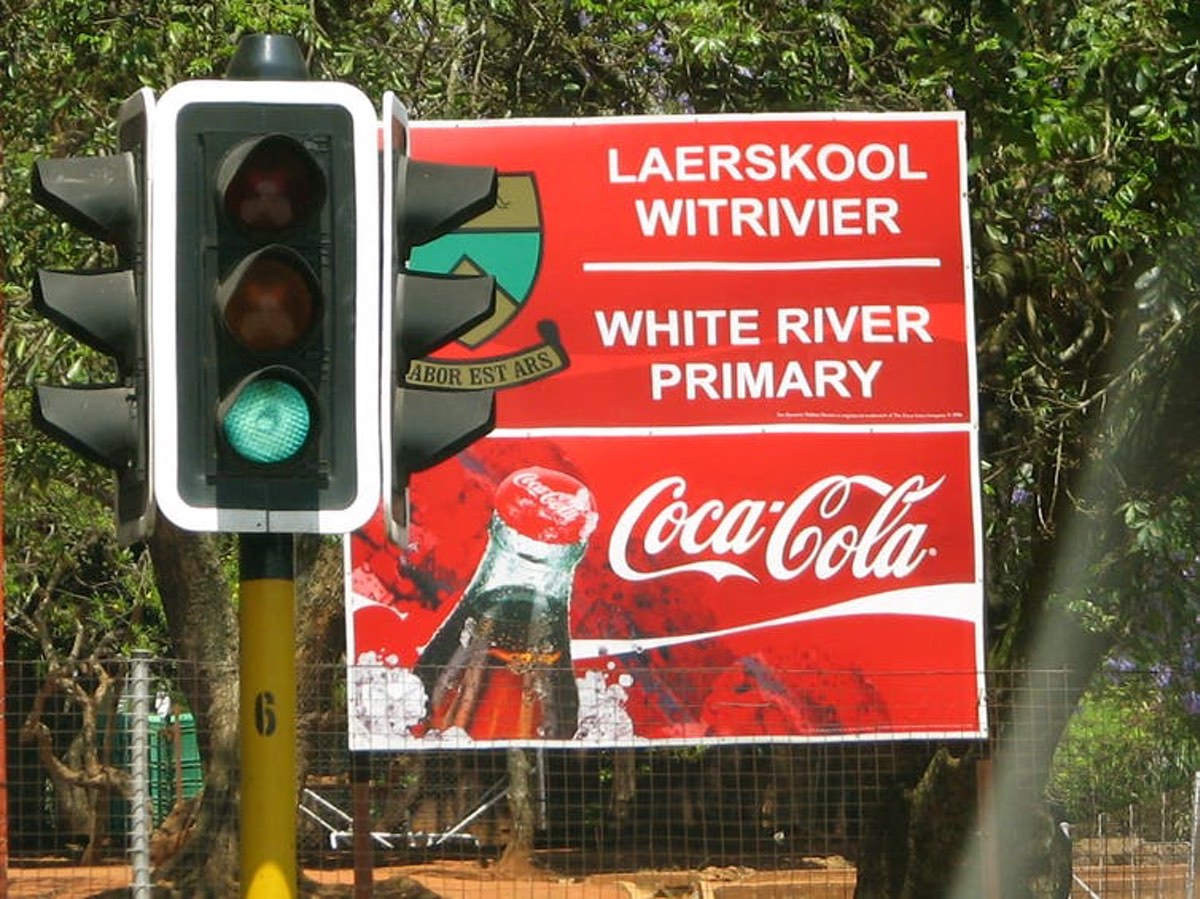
[
  {"x": 394, "y": 116},
  {"x": 162, "y": 308}
]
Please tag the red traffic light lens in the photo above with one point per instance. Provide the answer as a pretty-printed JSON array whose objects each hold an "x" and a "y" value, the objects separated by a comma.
[
  {"x": 272, "y": 303},
  {"x": 271, "y": 184}
]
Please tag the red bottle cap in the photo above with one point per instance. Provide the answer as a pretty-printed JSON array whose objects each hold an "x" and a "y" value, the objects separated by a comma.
[{"x": 546, "y": 505}]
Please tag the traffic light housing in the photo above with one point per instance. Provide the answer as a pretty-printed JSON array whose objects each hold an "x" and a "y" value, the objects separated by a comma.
[
  {"x": 266, "y": 306},
  {"x": 106, "y": 197},
  {"x": 424, "y": 424}
]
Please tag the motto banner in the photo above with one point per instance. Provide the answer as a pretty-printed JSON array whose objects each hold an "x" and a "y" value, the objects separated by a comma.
[{"x": 733, "y": 491}]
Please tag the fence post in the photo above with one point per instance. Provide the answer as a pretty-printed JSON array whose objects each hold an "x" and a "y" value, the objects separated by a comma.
[
  {"x": 139, "y": 806},
  {"x": 1191, "y": 876},
  {"x": 360, "y": 826},
  {"x": 1103, "y": 850},
  {"x": 1132, "y": 842}
]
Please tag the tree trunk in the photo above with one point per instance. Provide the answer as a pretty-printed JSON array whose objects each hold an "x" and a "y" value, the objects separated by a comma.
[
  {"x": 624, "y": 788},
  {"x": 920, "y": 828},
  {"x": 320, "y": 646},
  {"x": 202, "y": 620},
  {"x": 517, "y": 857},
  {"x": 925, "y": 839}
]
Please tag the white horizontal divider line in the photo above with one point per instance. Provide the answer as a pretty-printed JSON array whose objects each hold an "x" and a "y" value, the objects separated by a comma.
[
  {"x": 914, "y": 427},
  {"x": 785, "y": 265}
]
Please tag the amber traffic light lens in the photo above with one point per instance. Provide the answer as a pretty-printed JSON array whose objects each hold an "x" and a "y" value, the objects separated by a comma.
[{"x": 272, "y": 306}]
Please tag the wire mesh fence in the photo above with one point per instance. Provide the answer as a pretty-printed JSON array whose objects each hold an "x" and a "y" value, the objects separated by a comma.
[
  {"x": 1141, "y": 849},
  {"x": 87, "y": 763}
]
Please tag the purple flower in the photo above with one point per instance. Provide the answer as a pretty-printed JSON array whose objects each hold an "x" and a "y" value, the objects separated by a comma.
[{"x": 658, "y": 49}]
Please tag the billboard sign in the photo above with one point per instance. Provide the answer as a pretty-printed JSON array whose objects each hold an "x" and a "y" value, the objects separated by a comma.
[{"x": 733, "y": 490}]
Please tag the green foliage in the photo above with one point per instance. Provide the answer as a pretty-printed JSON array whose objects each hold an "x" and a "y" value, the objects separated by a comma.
[
  {"x": 70, "y": 591},
  {"x": 1126, "y": 746}
]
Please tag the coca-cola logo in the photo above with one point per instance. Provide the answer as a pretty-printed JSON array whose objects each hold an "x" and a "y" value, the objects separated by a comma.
[
  {"x": 809, "y": 534},
  {"x": 556, "y": 502},
  {"x": 547, "y": 505}
]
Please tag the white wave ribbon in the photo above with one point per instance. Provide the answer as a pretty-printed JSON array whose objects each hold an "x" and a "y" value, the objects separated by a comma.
[{"x": 959, "y": 602}]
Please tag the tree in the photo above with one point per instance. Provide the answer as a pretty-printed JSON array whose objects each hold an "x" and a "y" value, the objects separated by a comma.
[
  {"x": 1129, "y": 744},
  {"x": 78, "y": 603}
]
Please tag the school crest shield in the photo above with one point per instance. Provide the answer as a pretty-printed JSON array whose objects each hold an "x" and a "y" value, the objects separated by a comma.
[{"x": 505, "y": 242}]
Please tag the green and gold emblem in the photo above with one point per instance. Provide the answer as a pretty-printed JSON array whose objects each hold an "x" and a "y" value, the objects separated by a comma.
[{"x": 505, "y": 242}]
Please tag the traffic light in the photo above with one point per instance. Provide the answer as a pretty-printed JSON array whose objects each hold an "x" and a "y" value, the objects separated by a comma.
[
  {"x": 266, "y": 306},
  {"x": 424, "y": 424},
  {"x": 106, "y": 198}
]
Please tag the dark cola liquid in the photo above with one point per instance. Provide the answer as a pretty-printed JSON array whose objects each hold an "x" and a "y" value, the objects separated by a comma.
[{"x": 500, "y": 668}]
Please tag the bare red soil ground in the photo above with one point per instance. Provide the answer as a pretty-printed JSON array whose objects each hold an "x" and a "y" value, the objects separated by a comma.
[{"x": 470, "y": 880}]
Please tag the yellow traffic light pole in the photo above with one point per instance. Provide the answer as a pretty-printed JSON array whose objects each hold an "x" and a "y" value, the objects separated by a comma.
[
  {"x": 267, "y": 625},
  {"x": 267, "y": 689}
]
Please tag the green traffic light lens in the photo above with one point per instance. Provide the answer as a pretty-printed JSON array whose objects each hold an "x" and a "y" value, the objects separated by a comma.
[{"x": 268, "y": 421}]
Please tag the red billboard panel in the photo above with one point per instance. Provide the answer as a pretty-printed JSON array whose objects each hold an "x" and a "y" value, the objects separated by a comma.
[{"x": 733, "y": 491}]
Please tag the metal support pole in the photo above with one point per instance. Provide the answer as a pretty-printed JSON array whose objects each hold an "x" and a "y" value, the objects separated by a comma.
[
  {"x": 360, "y": 787},
  {"x": 4, "y": 809},
  {"x": 139, "y": 806},
  {"x": 543, "y": 790},
  {"x": 267, "y": 690}
]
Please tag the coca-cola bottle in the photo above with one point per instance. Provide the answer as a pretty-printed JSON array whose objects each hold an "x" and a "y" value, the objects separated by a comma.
[{"x": 499, "y": 667}]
